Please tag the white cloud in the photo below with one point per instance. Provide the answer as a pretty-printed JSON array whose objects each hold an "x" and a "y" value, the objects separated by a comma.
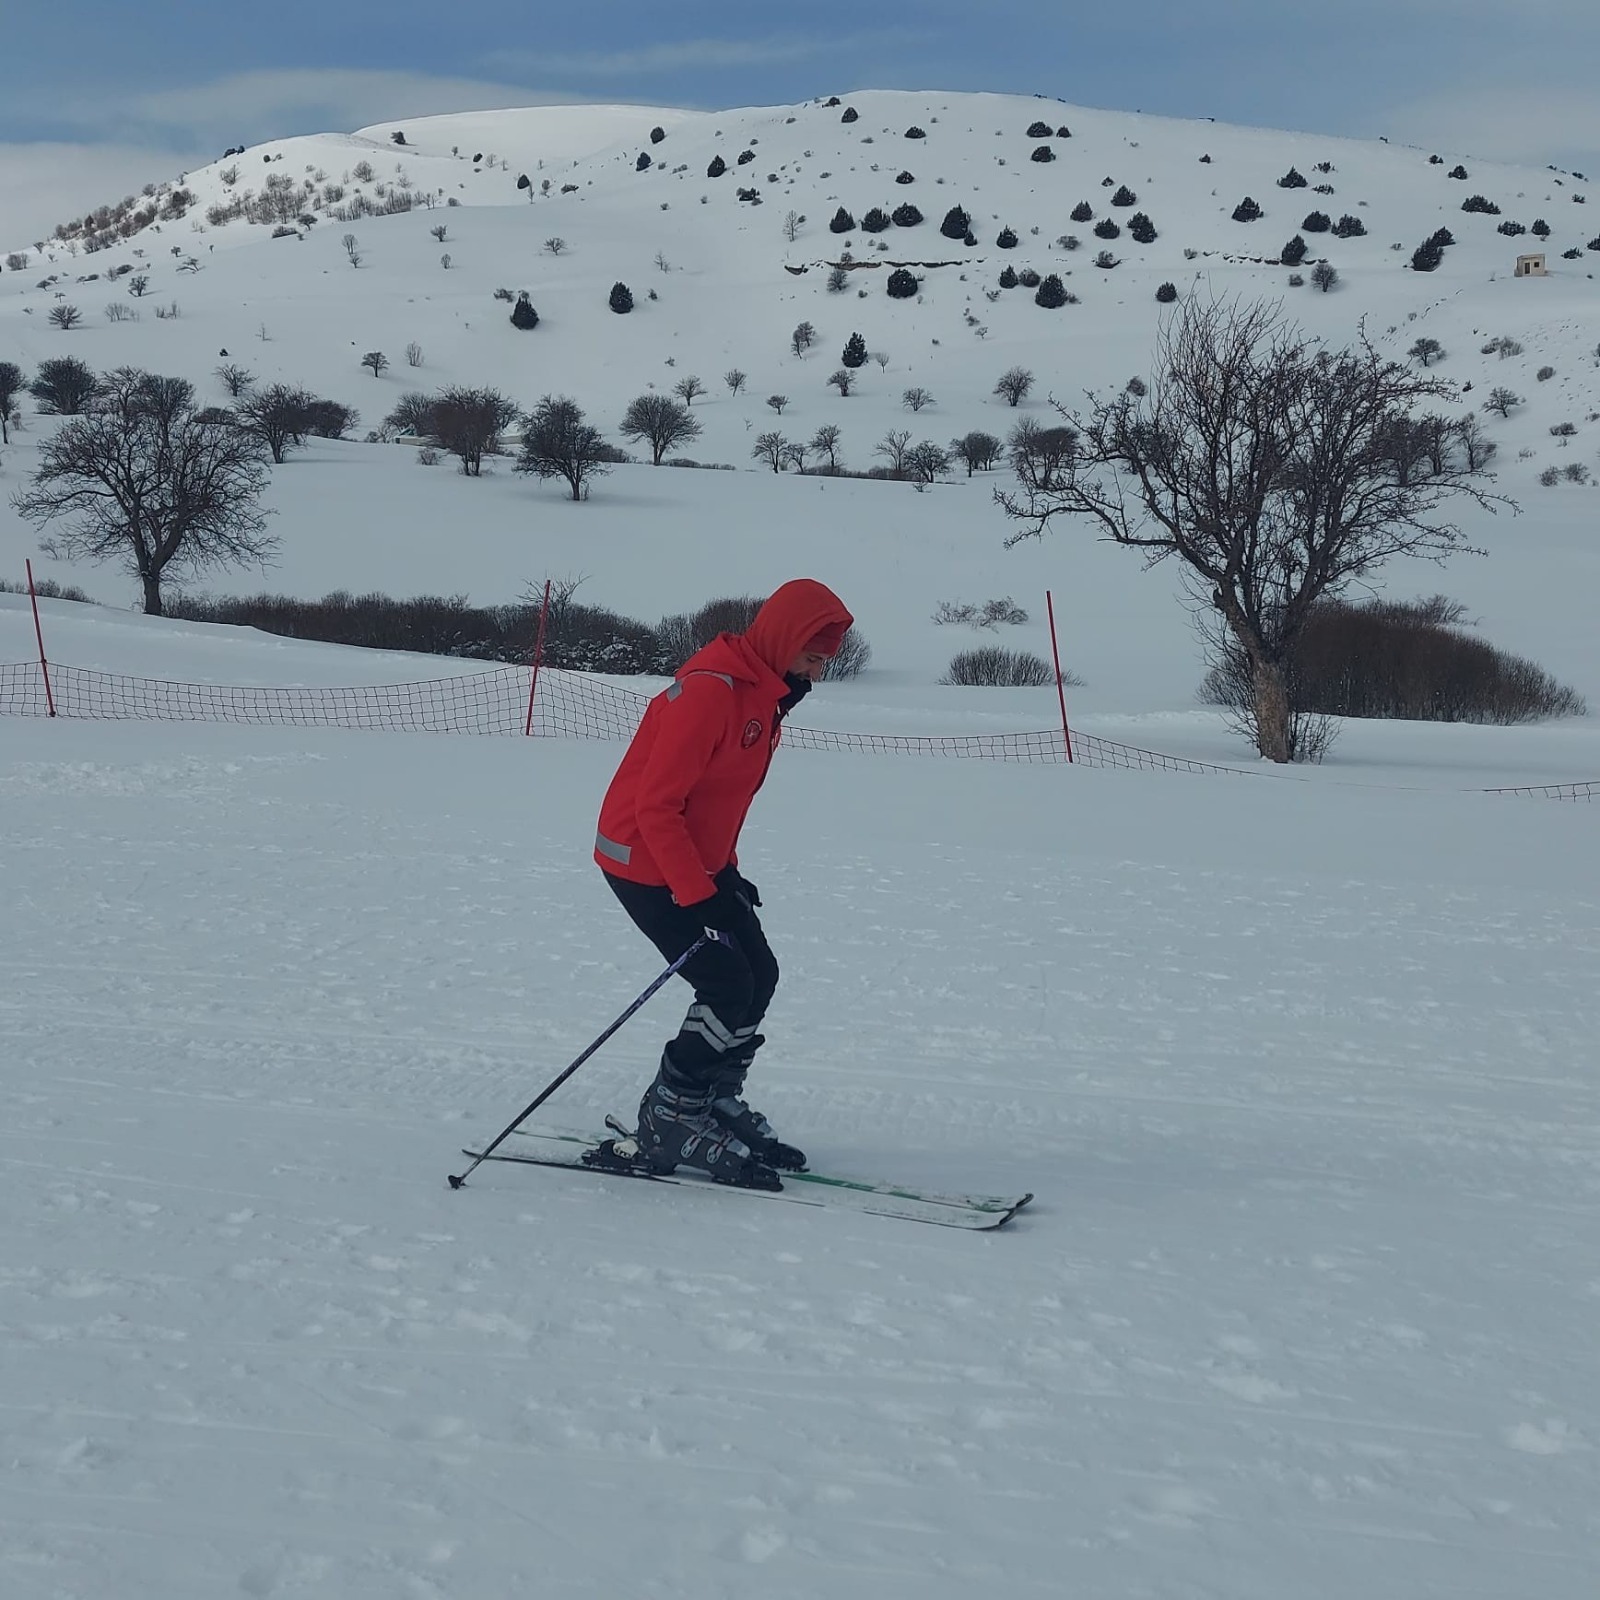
[
  {"x": 43, "y": 184},
  {"x": 249, "y": 107},
  {"x": 689, "y": 55}
]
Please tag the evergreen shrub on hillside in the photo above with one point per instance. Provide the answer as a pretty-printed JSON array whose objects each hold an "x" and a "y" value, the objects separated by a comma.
[
  {"x": 957, "y": 224},
  {"x": 1083, "y": 212},
  {"x": 1317, "y": 222},
  {"x": 875, "y": 221},
  {"x": 1167, "y": 293},
  {"x": 902, "y": 284},
  {"x": 1043, "y": 153},
  {"x": 1038, "y": 130},
  {"x": 1247, "y": 211},
  {"x": 906, "y": 215},
  {"x": 621, "y": 299},
  {"x": 842, "y": 222}
]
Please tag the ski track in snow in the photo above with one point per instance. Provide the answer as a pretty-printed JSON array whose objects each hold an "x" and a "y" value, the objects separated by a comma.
[{"x": 1305, "y": 1304}]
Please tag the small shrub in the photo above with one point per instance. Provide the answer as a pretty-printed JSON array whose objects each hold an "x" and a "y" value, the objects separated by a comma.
[
  {"x": 1106, "y": 261},
  {"x": 906, "y": 215},
  {"x": 1038, "y": 130},
  {"x": 957, "y": 224},
  {"x": 1477, "y": 202},
  {"x": 1550, "y": 477},
  {"x": 1006, "y": 239},
  {"x": 1316, "y": 222},
  {"x": 717, "y": 168},
  {"x": 995, "y": 667},
  {"x": 902, "y": 284},
  {"x": 842, "y": 222},
  {"x": 1545, "y": 374},
  {"x": 1349, "y": 227},
  {"x": 1247, "y": 211},
  {"x": 1105, "y": 228},
  {"x": 876, "y": 220},
  {"x": 1124, "y": 197},
  {"x": 1008, "y": 277},
  {"x": 620, "y": 299},
  {"x": 1142, "y": 228},
  {"x": 1043, "y": 153},
  {"x": 915, "y": 132},
  {"x": 1294, "y": 252},
  {"x": 1458, "y": 171},
  {"x": 1167, "y": 293},
  {"x": 1083, "y": 212},
  {"x": 987, "y": 614},
  {"x": 850, "y": 114},
  {"x": 1291, "y": 180},
  {"x": 1510, "y": 229}
]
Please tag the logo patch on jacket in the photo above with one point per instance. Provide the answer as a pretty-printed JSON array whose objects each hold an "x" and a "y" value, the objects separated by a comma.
[{"x": 752, "y": 733}]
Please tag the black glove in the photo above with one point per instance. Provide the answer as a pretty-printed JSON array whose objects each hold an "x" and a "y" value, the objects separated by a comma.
[
  {"x": 743, "y": 886},
  {"x": 721, "y": 913}
]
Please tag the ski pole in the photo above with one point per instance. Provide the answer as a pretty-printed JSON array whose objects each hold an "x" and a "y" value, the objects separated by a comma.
[{"x": 556, "y": 1082}]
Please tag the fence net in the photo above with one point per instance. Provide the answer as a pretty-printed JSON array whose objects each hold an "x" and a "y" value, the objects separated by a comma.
[{"x": 566, "y": 705}]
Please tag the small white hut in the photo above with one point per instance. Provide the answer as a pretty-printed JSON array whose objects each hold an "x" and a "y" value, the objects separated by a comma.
[{"x": 1531, "y": 266}]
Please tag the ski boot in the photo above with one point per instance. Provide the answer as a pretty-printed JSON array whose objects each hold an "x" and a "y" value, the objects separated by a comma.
[
  {"x": 677, "y": 1128},
  {"x": 745, "y": 1123}
]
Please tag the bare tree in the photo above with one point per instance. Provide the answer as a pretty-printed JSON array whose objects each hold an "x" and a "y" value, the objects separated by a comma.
[
  {"x": 914, "y": 399},
  {"x": 660, "y": 420},
  {"x": 843, "y": 380},
  {"x": 825, "y": 441},
  {"x": 882, "y": 358},
  {"x": 413, "y": 354},
  {"x": 977, "y": 449},
  {"x": 1427, "y": 351},
  {"x": 352, "y": 248},
  {"x": 792, "y": 224},
  {"x": 279, "y": 416},
  {"x": 140, "y": 479},
  {"x": 894, "y": 447},
  {"x": 1256, "y": 460},
  {"x": 237, "y": 380},
  {"x": 925, "y": 460},
  {"x": 469, "y": 422},
  {"x": 11, "y": 385},
  {"x": 64, "y": 385},
  {"x": 139, "y": 285},
  {"x": 734, "y": 379},
  {"x": 1041, "y": 456},
  {"x": 802, "y": 338},
  {"x": 1324, "y": 276},
  {"x": 555, "y": 245},
  {"x": 796, "y": 452},
  {"x": 778, "y": 402},
  {"x": 687, "y": 388},
  {"x": 1502, "y": 399},
  {"x": 1478, "y": 446},
  {"x": 65, "y": 316},
  {"x": 772, "y": 448},
  {"x": 1013, "y": 384},
  {"x": 558, "y": 443},
  {"x": 375, "y": 359},
  {"x": 440, "y": 231}
]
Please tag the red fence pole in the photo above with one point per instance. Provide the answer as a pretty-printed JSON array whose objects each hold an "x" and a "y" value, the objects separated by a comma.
[
  {"x": 38, "y": 633},
  {"x": 1061, "y": 693},
  {"x": 538, "y": 651}
]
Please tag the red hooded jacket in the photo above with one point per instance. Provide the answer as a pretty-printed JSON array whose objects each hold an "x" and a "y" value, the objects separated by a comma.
[{"x": 673, "y": 812}]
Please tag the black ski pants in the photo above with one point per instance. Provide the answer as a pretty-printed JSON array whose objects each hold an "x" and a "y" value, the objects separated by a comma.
[{"x": 732, "y": 986}]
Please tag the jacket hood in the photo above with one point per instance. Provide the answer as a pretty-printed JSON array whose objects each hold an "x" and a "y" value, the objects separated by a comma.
[{"x": 794, "y": 614}]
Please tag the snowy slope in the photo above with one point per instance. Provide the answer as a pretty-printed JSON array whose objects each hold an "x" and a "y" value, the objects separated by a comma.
[
  {"x": 1303, "y": 1077},
  {"x": 1300, "y": 1065}
]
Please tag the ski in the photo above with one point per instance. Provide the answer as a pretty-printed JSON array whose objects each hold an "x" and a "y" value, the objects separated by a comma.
[{"x": 567, "y": 1150}]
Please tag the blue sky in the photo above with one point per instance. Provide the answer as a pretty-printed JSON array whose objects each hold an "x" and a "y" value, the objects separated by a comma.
[{"x": 170, "y": 82}]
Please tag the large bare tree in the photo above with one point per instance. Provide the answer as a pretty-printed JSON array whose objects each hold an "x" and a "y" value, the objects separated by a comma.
[
  {"x": 558, "y": 443},
  {"x": 660, "y": 420},
  {"x": 138, "y": 478},
  {"x": 1266, "y": 463},
  {"x": 469, "y": 422}
]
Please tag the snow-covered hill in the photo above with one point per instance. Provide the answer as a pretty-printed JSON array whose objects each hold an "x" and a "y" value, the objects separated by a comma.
[
  {"x": 729, "y": 289},
  {"x": 731, "y": 286},
  {"x": 1300, "y": 1065}
]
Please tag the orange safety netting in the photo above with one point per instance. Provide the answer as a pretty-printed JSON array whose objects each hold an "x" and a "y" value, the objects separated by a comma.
[{"x": 568, "y": 705}]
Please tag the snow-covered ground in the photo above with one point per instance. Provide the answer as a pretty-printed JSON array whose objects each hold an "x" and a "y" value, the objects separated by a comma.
[
  {"x": 1300, "y": 1066},
  {"x": 1303, "y": 1077}
]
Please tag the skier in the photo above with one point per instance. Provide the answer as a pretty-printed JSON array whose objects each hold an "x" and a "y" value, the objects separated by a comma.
[{"x": 667, "y": 844}]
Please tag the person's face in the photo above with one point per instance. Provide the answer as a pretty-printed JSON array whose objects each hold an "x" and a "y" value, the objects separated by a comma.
[{"x": 808, "y": 664}]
